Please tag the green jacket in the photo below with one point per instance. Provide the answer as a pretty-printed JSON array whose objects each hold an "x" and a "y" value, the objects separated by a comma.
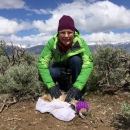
[{"x": 52, "y": 51}]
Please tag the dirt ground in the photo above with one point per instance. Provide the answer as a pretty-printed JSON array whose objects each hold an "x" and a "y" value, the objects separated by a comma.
[{"x": 104, "y": 114}]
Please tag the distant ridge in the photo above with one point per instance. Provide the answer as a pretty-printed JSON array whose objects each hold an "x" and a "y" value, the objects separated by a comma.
[{"x": 38, "y": 49}]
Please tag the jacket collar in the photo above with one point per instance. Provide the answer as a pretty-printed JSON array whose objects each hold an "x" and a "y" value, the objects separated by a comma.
[{"x": 74, "y": 47}]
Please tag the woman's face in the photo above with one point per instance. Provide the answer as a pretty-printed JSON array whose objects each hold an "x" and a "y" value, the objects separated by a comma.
[{"x": 66, "y": 36}]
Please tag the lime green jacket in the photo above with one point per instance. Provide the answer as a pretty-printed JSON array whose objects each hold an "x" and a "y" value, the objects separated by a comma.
[{"x": 52, "y": 52}]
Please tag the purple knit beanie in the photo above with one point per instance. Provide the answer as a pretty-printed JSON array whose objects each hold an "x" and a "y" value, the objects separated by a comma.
[
  {"x": 66, "y": 22},
  {"x": 80, "y": 105}
]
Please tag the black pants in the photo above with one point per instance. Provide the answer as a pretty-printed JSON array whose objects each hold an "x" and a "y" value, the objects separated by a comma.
[{"x": 75, "y": 65}]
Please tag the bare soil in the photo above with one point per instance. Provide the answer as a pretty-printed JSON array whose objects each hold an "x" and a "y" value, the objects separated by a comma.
[{"x": 104, "y": 114}]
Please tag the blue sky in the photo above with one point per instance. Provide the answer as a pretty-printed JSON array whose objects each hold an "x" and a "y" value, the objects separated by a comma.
[{"x": 33, "y": 22}]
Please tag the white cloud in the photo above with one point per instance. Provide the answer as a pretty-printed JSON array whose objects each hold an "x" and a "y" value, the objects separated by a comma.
[
  {"x": 47, "y": 26},
  {"x": 27, "y": 41},
  {"x": 42, "y": 38},
  {"x": 8, "y": 27},
  {"x": 95, "y": 17},
  {"x": 108, "y": 37},
  {"x": 40, "y": 11},
  {"x": 12, "y": 4}
]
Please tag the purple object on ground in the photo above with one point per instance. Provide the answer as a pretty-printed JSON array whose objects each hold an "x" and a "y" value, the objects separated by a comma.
[{"x": 80, "y": 105}]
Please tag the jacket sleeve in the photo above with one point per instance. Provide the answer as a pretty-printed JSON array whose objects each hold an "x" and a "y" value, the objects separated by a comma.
[
  {"x": 87, "y": 67},
  {"x": 43, "y": 64}
]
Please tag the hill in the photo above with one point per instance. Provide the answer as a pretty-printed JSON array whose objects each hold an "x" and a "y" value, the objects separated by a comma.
[{"x": 38, "y": 49}]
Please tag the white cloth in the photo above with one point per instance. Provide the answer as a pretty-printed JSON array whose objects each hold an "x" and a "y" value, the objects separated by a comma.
[{"x": 59, "y": 109}]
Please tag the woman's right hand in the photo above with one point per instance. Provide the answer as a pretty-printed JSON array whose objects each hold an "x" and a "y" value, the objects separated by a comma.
[{"x": 55, "y": 92}]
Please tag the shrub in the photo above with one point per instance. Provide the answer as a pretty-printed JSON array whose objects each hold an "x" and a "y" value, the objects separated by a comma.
[
  {"x": 19, "y": 74},
  {"x": 30, "y": 59},
  {"x": 22, "y": 80},
  {"x": 2, "y": 47},
  {"x": 126, "y": 110},
  {"x": 111, "y": 69}
]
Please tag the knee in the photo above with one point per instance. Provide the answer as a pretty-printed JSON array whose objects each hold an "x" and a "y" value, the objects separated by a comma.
[
  {"x": 54, "y": 72},
  {"x": 75, "y": 60}
]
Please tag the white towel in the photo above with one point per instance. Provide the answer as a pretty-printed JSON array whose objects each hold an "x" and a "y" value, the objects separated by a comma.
[{"x": 61, "y": 110}]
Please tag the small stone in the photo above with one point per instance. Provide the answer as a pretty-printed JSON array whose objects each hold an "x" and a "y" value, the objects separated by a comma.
[{"x": 102, "y": 120}]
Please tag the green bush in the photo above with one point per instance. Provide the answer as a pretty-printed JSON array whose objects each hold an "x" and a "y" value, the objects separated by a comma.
[
  {"x": 19, "y": 74},
  {"x": 22, "y": 80},
  {"x": 30, "y": 58},
  {"x": 4, "y": 64},
  {"x": 126, "y": 110},
  {"x": 3, "y": 48},
  {"x": 110, "y": 69}
]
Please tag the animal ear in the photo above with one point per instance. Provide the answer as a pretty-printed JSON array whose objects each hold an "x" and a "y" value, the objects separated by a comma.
[
  {"x": 46, "y": 98},
  {"x": 72, "y": 106}
]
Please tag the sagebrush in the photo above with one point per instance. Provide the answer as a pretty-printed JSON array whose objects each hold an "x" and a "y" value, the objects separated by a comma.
[{"x": 19, "y": 73}]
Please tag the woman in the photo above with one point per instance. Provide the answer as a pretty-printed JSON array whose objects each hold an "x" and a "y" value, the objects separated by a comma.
[{"x": 71, "y": 54}]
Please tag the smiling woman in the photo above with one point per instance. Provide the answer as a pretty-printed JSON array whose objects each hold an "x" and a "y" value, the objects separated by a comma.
[
  {"x": 71, "y": 56},
  {"x": 66, "y": 37}
]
